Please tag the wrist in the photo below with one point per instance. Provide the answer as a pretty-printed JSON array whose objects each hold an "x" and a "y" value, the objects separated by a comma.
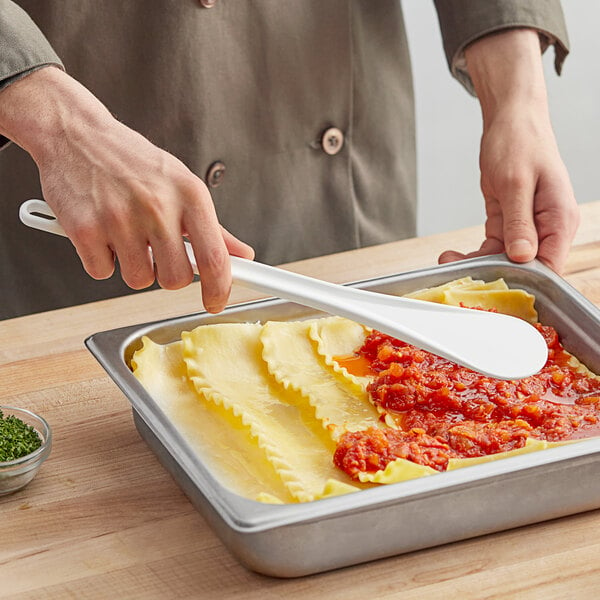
[
  {"x": 507, "y": 73},
  {"x": 39, "y": 110}
]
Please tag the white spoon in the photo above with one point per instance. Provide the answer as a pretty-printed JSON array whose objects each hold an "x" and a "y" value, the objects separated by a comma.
[{"x": 497, "y": 345}]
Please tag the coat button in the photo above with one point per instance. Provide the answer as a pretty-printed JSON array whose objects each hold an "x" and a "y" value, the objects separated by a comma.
[
  {"x": 208, "y": 3},
  {"x": 332, "y": 140},
  {"x": 215, "y": 174}
]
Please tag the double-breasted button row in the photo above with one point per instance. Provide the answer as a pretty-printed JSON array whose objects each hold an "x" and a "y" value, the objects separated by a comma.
[{"x": 332, "y": 141}]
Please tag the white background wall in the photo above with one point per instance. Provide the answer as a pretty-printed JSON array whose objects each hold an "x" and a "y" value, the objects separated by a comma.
[{"x": 449, "y": 121}]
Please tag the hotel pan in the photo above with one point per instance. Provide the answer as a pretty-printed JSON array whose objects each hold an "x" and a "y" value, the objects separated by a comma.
[{"x": 292, "y": 540}]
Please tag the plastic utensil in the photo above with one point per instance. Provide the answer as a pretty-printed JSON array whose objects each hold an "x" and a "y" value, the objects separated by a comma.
[{"x": 496, "y": 345}]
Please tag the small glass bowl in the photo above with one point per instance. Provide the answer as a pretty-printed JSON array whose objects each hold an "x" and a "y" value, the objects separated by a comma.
[{"x": 16, "y": 474}]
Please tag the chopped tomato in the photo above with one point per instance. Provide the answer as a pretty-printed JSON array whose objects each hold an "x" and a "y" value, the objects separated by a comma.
[{"x": 445, "y": 410}]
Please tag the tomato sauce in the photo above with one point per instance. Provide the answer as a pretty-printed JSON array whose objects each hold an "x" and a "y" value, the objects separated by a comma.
[{"x": 445, "y": 411}]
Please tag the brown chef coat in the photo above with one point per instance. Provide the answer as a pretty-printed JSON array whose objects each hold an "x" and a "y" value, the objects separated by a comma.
[{"x": 297, "y": 114}]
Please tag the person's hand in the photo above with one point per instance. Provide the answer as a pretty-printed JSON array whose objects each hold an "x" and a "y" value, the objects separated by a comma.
[
  {"x": 530, "y": 206},
  {"x": 116, "y": 194}
]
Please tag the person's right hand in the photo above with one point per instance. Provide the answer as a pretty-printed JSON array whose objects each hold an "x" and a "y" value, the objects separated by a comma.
[{"x": 116, "y": 194}]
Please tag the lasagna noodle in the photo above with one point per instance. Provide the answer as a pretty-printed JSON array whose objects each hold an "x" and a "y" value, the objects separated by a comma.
[
  {"x": 397, "y": 471},
  {"x": 225, "y": 364},
  {"x": 336, "y": 336},
  {"x": 436, "y": 294},
  {"x": 402, "y": 470},
  {"x": 340, "y": 403},
  {"x": 517, "y": 303},
  {"x": 531, "y": 445},
  {"x": 213, "y": 433},
  {"x": 479, "y": 294}
]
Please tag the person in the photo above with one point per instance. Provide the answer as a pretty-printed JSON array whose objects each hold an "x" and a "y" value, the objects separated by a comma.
[{"x": 289, "y": 126}]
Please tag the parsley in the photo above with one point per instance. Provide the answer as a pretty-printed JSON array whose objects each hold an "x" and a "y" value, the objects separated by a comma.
[{"x": 17, "y": 439}]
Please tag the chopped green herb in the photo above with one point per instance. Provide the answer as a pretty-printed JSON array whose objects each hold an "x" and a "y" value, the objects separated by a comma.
[{"x": 17, "y": 439}]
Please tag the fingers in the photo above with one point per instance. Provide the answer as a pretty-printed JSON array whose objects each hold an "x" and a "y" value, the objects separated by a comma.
[
  {"x": 173, "y": 269},
  {"x": 95, "y": 253},
  {"x": 236, "y": 247},
  {"x": 557, "y": 225},
  {"x": 135, "y": 263},
  {"x": 450, "y": 256},
  {"x": 489, "y": 246},
  {"x": 120, "y": 233},
  {"x": 516, "y": 197},
  {"x": 211, "y": 253},
  {"x": 199, "y": 221},
  {"x": 554, "y": 251},
  {"x": 98, "y": 263},
  {"x": 142, "y": 256}
]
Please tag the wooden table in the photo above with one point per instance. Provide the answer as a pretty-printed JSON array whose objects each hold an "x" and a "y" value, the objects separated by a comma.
[{"x": 104, "y": 520}]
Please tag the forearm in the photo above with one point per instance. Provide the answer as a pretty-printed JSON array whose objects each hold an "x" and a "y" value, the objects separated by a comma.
[
  {"x": 507, "y": 73},
  {"x": 46, "y": 107}
]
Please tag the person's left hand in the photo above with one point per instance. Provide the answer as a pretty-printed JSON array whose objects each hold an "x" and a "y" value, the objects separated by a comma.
[
  {"x": 529, "y": 202},
  {"x": 530, "y": 206}
]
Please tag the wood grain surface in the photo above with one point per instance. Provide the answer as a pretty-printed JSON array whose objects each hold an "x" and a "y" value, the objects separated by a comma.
[{"x": 104, "y": 520}]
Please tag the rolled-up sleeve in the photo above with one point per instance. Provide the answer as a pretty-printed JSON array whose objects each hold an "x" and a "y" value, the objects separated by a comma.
[
  {"x": 23, "y": 47},
  {"x": 464, "y": 21}
]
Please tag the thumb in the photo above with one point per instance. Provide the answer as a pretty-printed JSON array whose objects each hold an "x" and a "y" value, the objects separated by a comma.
[{"x": 518, "y": 227}]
